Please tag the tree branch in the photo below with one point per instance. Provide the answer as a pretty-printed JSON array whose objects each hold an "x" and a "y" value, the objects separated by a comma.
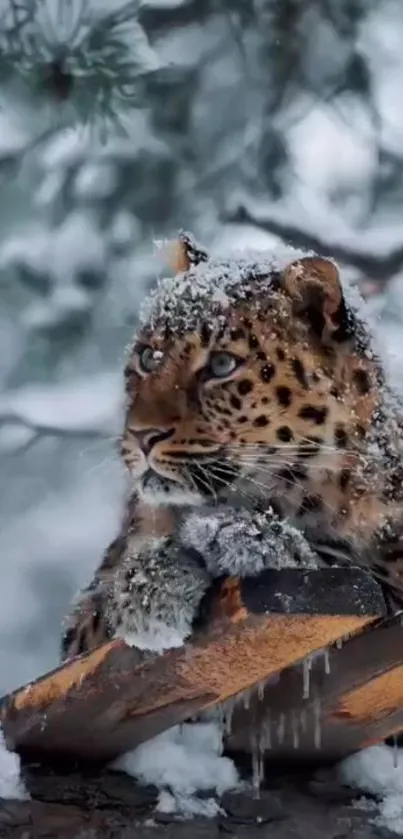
[
  {"x": 40, "y": 430},
  {"x": 373, "y": 265}
]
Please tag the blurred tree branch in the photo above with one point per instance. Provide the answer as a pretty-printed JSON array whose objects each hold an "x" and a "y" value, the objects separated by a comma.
[
  {"x": 374, "y": 265},
  {"x": 39, "y": 430}
]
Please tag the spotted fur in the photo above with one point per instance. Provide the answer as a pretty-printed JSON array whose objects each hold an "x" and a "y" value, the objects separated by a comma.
[{"x": 304, "y": 426}]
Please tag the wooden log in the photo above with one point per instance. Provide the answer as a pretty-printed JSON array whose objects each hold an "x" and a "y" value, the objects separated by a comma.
[{"x": 97, "y": 706}]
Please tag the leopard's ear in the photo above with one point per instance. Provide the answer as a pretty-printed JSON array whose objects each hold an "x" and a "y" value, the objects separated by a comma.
[
  {"x": 313, "y": 283},
  {"x": 184, "y": 252}
]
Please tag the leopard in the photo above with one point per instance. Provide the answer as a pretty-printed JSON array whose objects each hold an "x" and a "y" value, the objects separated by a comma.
[{"x": 260, "y": 432}]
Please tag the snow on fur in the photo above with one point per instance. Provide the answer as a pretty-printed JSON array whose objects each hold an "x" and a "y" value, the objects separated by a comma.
[
  {"x": 230, "y": 546},
  {"x": 207, "y": 290}
]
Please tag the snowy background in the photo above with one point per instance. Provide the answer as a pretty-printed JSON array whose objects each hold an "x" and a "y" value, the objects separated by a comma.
[{"x": 242, "y": 120}]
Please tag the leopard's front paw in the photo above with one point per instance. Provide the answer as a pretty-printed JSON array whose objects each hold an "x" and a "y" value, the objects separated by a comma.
[
  {"x": 244, "y": 543},
  {"x": 157, "y": 595}
]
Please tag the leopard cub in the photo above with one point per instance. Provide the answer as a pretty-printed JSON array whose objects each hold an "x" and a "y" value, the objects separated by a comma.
[{"x": 259, "y": 433}]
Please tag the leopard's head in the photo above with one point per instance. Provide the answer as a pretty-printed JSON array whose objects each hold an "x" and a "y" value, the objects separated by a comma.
[{"x": 244, "y": 372}]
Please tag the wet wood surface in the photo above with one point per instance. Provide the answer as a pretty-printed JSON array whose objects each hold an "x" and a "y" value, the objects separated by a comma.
[
  {"x": 335, "y": 704},
  {"x": 100, "y": 705}
]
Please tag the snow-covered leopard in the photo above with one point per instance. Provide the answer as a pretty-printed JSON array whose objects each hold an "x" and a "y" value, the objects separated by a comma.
[{"x": 259, "y": 433}]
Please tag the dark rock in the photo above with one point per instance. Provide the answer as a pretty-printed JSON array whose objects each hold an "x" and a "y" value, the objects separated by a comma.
[{"x": 246, "y": 808}]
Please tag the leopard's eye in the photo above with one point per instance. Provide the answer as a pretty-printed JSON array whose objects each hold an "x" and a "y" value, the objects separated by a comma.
[
  {"x": 149, "y": 359},
  {"x": 221, "y": 364}
]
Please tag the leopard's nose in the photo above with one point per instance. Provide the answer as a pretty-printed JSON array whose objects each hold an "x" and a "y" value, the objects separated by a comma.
[{"x": 147, "y": 438}]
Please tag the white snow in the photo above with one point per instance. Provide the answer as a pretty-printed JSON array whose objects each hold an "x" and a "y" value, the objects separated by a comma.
[
  {"x": 157, "y": 637},
  {"x": 11, "y": 784},
  {"x": 245, "y": 236},
  {"x": 182, "y": 762},
  {"x": 86, "y": 403},
  {"x": 52, "y": 547},
  {"x": 354, "y": 162},
  {"x": 379, "y": 771},
  {"x": 95, "y": 180},
  {"x": 162, "y": 4},
  {"x": 73, "y": 246},
  {"x": 62, "y": 301},
  {"x": 314, "y": 214}
]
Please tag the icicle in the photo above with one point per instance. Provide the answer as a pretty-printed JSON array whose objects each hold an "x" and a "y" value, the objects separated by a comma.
[
  {"x": 326, "y": 657},
  {"x": 295, "y": 731},
  {"x": 260, "y": 691},
  {"x": 395, "y": 752},
  {"x": 281, "y": 729},
  {"x": 306, "y": 677},
  {"x": 317, "y": 719},
  {"x": 217, "y": 714},
  {"x": 257, "y": 765},
  {"x": 266, "y": 734},
  {"x": 302, "y": 719},
  {"x": 228, "y": 714},
  {"x": 339, "y": 643},
  {"x": 246, "y": 699},
  {"x": 256, "y": 774}
]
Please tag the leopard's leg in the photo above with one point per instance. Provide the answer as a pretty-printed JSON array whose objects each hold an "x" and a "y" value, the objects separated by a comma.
[
  {"x": 87, "y": 626},
  {"x": 146, "y": 589},
  {"x": 89, "y": 623},
  {"x": 157, "y": 592}
]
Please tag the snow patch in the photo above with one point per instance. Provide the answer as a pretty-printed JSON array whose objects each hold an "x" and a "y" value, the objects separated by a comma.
[
  {"x": 73, "y": 246},
  {"x": 245, "y": 236},
  {"x": 184, "y": 762},
  {"x": 95, "y": 180},
  {"x": 157, "y": 637},
  {"x": 379, "y": 771},
  {"x": 80, "y": 405},
  {"x": 11, "y": 784}
]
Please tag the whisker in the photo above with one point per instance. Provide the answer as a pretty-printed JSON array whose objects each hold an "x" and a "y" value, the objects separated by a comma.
[
  {"x": 107, "y": 461},
  {"x": 269, "y": 487},
  {"x": 204, "y": 477},
  {"x": 219, "y": 469},
  {"x": 300, "y": 486},
  {"x": 286, "y": 455},
  {"x": 313, "y": 467},
  {"x": 272, "y": 460},
  {"x": 190, "y": 477},
  {"x": 259, "y": 444}
]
